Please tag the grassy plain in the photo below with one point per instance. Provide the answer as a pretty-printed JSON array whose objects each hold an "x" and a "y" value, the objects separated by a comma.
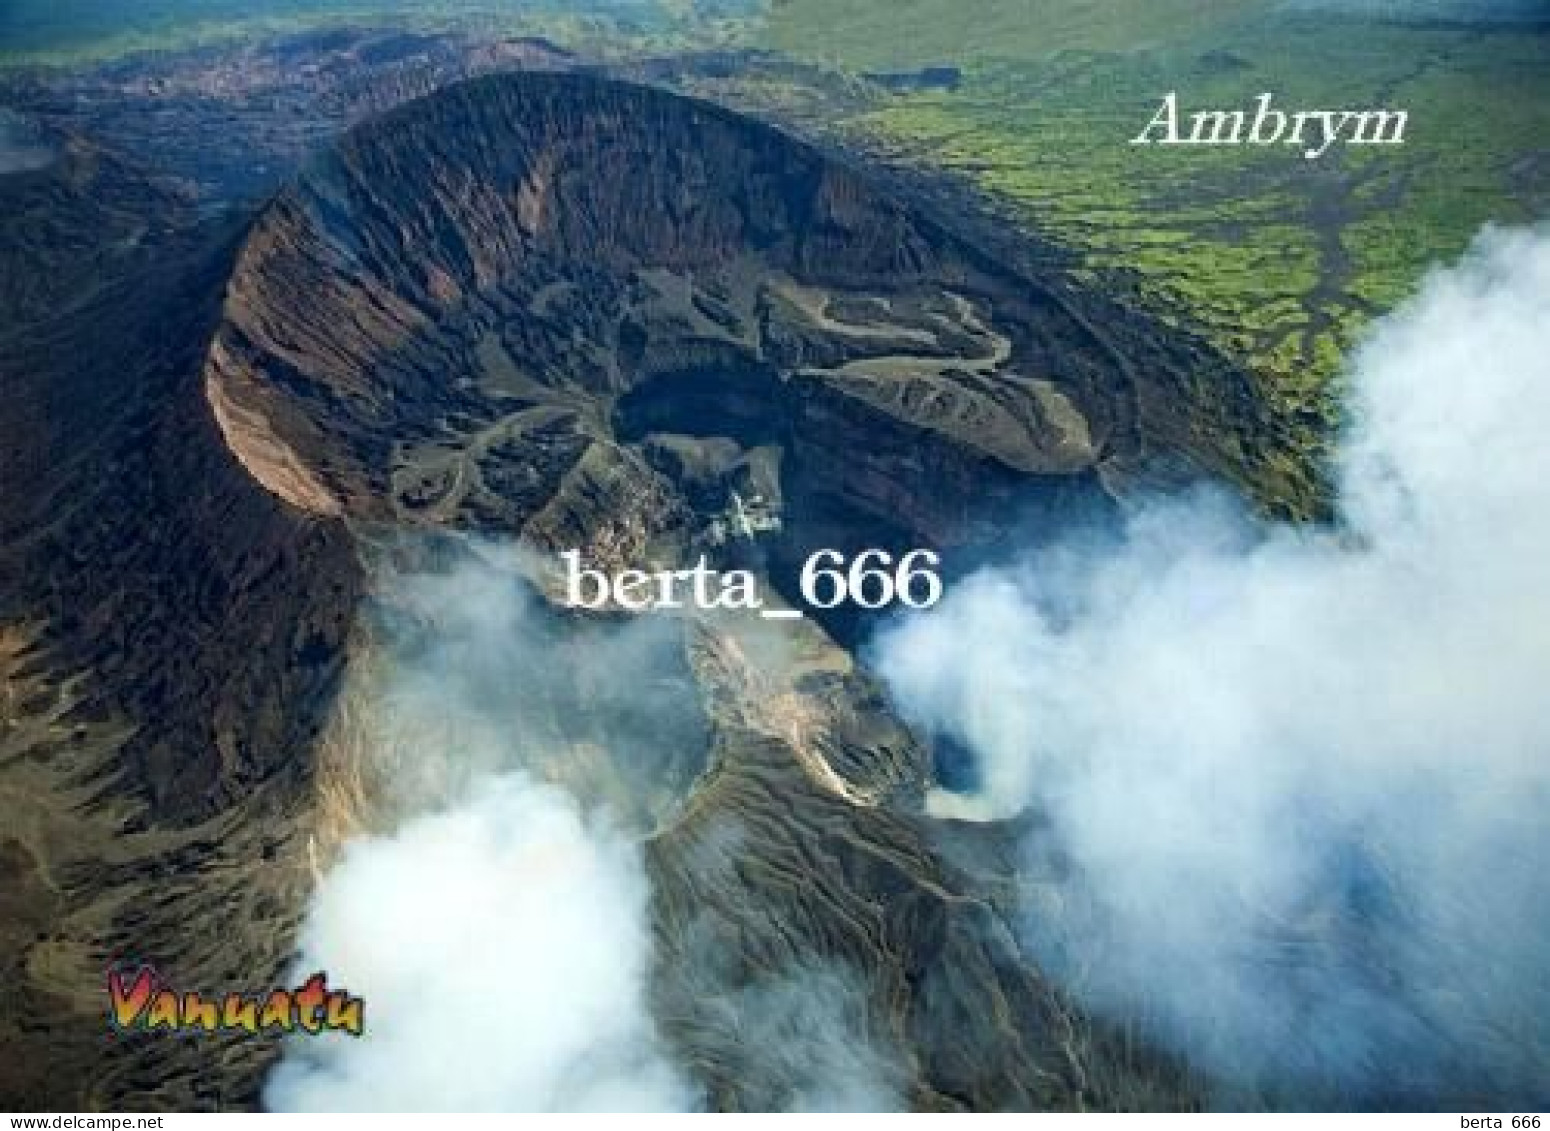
[{"x": 1279, "y": 260}]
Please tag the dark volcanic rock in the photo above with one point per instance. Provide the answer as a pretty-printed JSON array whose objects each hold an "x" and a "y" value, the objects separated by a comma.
[
  {"x": 590, "y": 315},
  {"x": 73, "y": 218},
  {"x": 170, "y": 635},
  {"x": 586, "y": 313},
  {"x": 559, "y": 242}
]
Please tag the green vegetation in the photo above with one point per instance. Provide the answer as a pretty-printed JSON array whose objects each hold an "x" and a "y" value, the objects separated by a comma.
[
  {"x": 1278, "y": 260},
  {"x": 904, "y": 34}
]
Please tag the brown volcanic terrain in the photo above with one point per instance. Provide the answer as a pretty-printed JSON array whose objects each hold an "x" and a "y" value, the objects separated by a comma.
[
  {"x": 232, "y": 120},
  {"x": 584, "y": 314},
  {"x": 511, "y": 256},
  {"x": 170, "y": 636},
  {"x": 73, "y": 221}
]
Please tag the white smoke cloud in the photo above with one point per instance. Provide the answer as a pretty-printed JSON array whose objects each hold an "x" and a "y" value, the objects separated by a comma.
[
  {"x": 499, "y": 935},
  {"x": 499, "y": 932},
  {"x": 1301, "y": 776},
  {"x": 502, "y": 950}
]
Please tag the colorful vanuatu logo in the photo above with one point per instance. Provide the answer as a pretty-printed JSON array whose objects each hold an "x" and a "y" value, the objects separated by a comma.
[{"x": 142, "y": 1002}]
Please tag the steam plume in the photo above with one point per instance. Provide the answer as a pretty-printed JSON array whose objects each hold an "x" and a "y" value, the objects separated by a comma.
[
  {"x": 1300, "y": 777},
  {"x": 504, "y": 766},
  {"x": 499, "y": 933}
]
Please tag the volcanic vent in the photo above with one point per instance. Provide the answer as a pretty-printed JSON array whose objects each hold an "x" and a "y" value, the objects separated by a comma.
[
  {"x": 591, "y": 315},
  {"x": 530, "y": 304},
  {"x": 578, "y": 314}
]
